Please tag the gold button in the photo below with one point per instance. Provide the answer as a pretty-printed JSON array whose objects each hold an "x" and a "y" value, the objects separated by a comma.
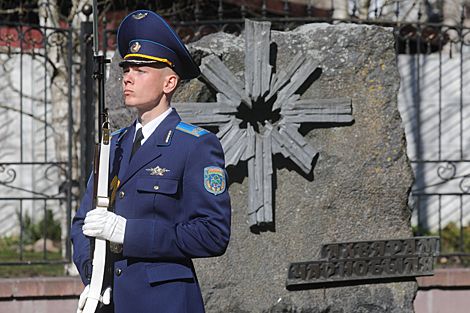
[
  {"x": 121, "y": 194},
  {"x": 118, "y": 272},
  {"x": 156, "y": 187}
]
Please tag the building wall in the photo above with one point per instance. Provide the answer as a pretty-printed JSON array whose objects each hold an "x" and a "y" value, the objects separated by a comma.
[
  {"x": 40, "y": 294},
  {"x": 442, "y": 301},
  {"x": 447, "y": 291}
]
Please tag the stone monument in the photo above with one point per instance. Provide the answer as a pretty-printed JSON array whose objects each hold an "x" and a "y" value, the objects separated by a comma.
[{"x": 316, "y": 155}]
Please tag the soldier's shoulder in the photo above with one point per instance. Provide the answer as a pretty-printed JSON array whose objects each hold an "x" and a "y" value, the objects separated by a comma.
[
  {"x": 191, "y": 129},
  {"x": 121, "y": 131}
]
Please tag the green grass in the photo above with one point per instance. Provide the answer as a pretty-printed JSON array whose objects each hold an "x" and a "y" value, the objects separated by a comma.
[
  {"x": 10, "y": 247},
  {"x": 30, "y": 270},
  {"x": 450, "y": 244},
  {"x": 9, "y": 252},
  {"x": 7, "y": 271}
]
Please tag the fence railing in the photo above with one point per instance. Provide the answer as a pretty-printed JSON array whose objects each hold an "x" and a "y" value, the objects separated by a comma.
[{"x": 35, "y": 159}]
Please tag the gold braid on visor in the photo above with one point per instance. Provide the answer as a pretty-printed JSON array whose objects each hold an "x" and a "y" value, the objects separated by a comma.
[{"x": 149, "y": 57}]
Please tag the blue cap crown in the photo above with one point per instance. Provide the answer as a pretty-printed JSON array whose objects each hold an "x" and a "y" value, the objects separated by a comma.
[{"x": 144, "y": 38}]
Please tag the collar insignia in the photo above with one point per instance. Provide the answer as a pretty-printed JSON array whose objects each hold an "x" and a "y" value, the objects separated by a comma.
[
  {"x": 168, "y": 136},
  {"x": 139, "y": 16},
  {"x": 135, "y": 47},
  {"x": 157, "y": 171},
  {"x": 122, "y": 135}
]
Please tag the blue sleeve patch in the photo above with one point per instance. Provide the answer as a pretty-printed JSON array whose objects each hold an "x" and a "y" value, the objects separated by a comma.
[
  {"x": 191, "y": 129},
  {"x": 214, "y": 180}
]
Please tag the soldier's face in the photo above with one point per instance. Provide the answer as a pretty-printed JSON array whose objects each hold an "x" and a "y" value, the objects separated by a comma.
[{"x": 143, "y": 86}]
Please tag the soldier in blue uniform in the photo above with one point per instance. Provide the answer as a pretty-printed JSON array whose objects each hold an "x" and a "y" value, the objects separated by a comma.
[{"x": 169, "y": 200}]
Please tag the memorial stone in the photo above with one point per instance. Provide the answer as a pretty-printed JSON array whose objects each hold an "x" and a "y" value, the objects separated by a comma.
[{"x": 355, "y": 189}]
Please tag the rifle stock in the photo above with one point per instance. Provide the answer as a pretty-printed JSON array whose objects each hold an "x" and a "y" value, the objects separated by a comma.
[
  {"x": 96, "y": 169},
  {"x": 100, "y": 176},
  {"x": 101, "y": 203},
  {"x": 96, "y": 166}
]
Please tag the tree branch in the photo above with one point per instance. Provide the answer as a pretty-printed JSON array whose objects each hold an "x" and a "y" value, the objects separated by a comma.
[{"x": 7, "y": 107}]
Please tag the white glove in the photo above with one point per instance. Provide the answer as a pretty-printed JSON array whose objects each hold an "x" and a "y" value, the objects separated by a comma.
[
  {"x": 105, "y": 298},
  {"x": 82, "y": 299},
  {"x": 105, "y": 225}
]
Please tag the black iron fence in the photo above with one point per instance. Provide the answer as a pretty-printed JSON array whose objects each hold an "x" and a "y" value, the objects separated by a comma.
[
  {"x": 433, "y": 63},
  {"x": 35, "y": 154}
]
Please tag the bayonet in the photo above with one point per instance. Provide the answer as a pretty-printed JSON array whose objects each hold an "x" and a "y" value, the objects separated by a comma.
[{"x": 96, "y": 45}]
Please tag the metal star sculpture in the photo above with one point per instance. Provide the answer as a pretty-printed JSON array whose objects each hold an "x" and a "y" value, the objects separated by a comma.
[{"x": 271, "y": 113}]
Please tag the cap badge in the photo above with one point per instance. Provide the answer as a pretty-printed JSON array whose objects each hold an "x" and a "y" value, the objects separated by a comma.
[
  {"x": 157, "y": 171},
  {"x": 135, "y": 47},
  {"x": 139, "y": 16}
]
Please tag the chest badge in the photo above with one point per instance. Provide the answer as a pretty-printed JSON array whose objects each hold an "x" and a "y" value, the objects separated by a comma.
[{"x": 157, "y": 171}]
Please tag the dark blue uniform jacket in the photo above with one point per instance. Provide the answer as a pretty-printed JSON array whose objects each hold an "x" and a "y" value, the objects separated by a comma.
[{"x": 174, "y": 196}]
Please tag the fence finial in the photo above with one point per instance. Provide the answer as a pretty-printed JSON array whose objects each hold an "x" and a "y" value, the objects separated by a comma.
[{"x": 87, "y": 10}]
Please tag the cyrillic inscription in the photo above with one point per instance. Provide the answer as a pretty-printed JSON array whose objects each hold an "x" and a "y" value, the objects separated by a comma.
[{"x": 368, "y": 260}]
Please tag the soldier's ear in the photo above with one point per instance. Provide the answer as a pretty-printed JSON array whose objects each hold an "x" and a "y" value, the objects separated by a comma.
[{"x": 171, "y": 81}]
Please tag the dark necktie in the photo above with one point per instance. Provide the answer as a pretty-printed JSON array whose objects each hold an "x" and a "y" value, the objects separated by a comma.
[{"x": 137, "y": 142}]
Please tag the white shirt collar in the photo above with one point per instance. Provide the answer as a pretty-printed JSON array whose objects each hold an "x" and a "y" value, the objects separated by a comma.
[{"x": 150, "y": 127}]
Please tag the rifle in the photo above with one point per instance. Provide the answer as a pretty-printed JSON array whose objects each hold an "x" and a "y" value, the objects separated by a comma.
[{"x": 101, "y": 173}]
